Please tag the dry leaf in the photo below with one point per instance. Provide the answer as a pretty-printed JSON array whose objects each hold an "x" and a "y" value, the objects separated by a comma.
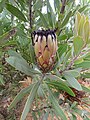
[{"x": 27, "y": 81}]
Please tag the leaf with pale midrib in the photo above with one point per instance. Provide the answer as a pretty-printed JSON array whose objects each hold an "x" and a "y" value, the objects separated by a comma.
[{"x": 16, "y": 12}]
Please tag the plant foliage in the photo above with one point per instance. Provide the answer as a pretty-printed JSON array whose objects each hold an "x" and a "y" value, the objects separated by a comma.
[{"x": 18, "y": 19}]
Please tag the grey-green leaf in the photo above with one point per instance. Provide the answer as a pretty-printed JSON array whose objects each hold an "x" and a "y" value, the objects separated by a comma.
[
  {"x": 29, "y": 101},
  {"x": 44, "y": 22},
  {"x": 86, "y": 31},
  {"x": 20, "y": 64},
  {"x": 16, "y": 12},
  {"x": 4, "y": 38},
  {"x": 40, "y": 91},
  {"x": 78, "y": 44},
  {"x": 83, "y": 8},
  {"x": 84, "y": 64},
  {"x": 38, "y": 5},
  {"x": 51, "y": 15},
  {"x": 66, "y": 19},
  {"x": 20, "y": 95},
  {"x": 55, "y": 105},
  {"x": 85, "y": 75},
  {"x": 72, "y": 81},
  {"x": 57, "y": 5},
  {"x": 50, "y": 19},
  {"x": 62, "y": 48},
  {"x": 75, "y": 73},
  {"x": 2, "y": 5},
  {"x": 86, "y": 89},
  {"x": 59, "y": 85}
]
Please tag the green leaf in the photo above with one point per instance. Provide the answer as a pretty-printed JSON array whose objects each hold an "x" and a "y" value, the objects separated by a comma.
[
  {"x": 20, "y": 95},
  {"x": 20, "y": 64},
  {"x": 22, "y": 4},
  {"x": 34, "y": 115},
  {"x": 44, "y": 22},
  {"x": 83, "y": 8},
  {"x": 72, "y": 81},
  {"x": 80, "y": 25},
  {"x": 67, "y": 56},
  {"x": 60, "y": 85},
  {"x": 55, "y": 105},
  {"x": 38, "y": 5},
  {"x": 7, "y": 35},
  {"x": 50, "y": 19},
  {"x": 62, "y": 37},
  {"x": 74, "y": 117},
  {"x": 62, "y": 48},
  {"x": 78, "y": 111},
  {"x": 66, "y": 19},
  {"x": 41, "y": 91},
  {"x": 85, "y": 64},
  {"x": 74, "y": 73},
  {"x": 57, "y": 5},
  {"x": 78, "y": 44},
  {"x": 14, "y": 54},
  {"x": 1, "y": 80},
  {"x": 16, "y": 12},
  {"x": 75, "y": 10},
  {"x": 77, "y": 22},
  {"x": 29, "y": 101},
  {"x": 49, "y": 8},
  {"x": 86, "y": 75},
  {"x": 54, "y": 77},
  {"x": 74, "y": 104},
  {"x": 86, "y": 89},
  {"x": 87, "y": 56},
  {"x": 51, "y": 15},
  {"x": 60, "y": 60},
  {"x": 21, "y": 33},
  {"x": 46, "y": 115},
  {"x": 9, "y": 43},
  {"x": 79, "y": 60},
  {"x": 2, "y": 5},
  {"x": 86, "y": 31},
  {"x": 32, "y": 54}
]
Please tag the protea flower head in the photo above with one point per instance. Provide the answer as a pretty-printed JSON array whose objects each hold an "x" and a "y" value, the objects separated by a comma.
[{"x": 45, "y": 47}]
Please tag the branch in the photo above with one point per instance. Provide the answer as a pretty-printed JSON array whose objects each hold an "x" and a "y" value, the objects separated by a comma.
[
  {"x": 70, "y": 64},
  {"x": 30, "y": 13},
  {"x": 72, "y": 61},
  {"x": 75, "y": 58},
  {"x": 63, "y": 6}
]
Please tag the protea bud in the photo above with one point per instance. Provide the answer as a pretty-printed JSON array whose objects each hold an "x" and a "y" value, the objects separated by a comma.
[
  {"x": 45, "y": 47},
  {"x": 82, "y": 27}
]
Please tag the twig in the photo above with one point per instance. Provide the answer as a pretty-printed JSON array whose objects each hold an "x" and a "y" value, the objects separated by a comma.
[
  {"x": 63, "y": 6},
  {"x": 30, "y": 13},
  {"x": 61, "y": 11},
  {"x": 70, "y": 64},
  {"x": 75, "y": 58},
  {"x": 72, "y": 61}
]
